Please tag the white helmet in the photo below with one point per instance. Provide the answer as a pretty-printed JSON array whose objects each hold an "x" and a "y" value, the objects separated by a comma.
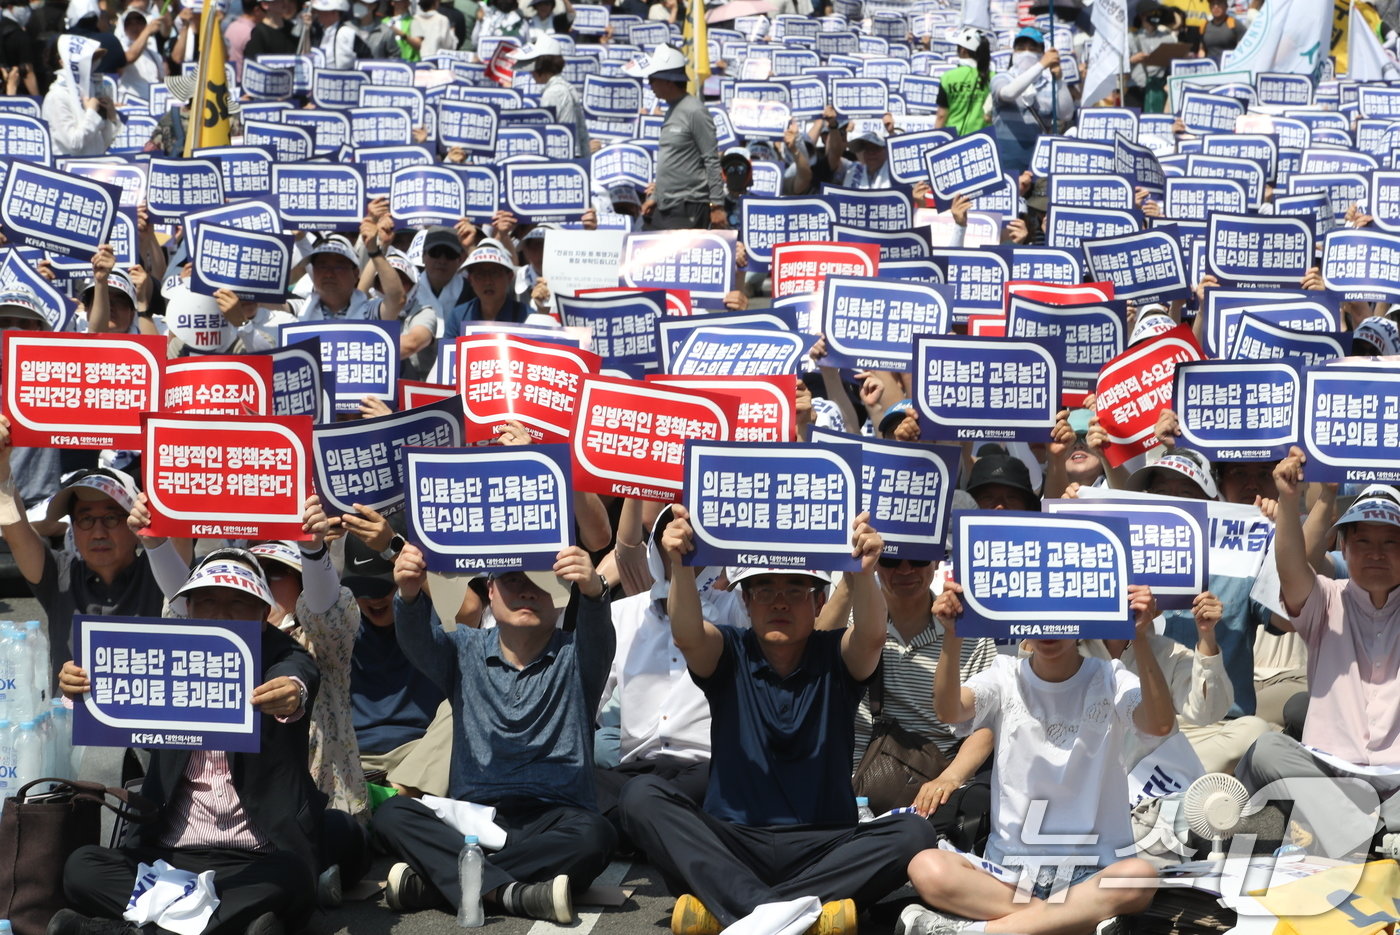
[{"x": 970, "y": 38}]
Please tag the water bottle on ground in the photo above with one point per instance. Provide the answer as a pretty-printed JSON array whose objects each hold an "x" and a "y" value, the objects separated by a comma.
[
  {"x": 9, "y": 666},
  {"x": 9, "y": 768},
  {"x": 39, "y": 654},
  {"x": 863, "y": 812},
  {"x": 29, "y": 754},
  {"x": 469, "y": 913},
  {"x": 17, "y": 676}
]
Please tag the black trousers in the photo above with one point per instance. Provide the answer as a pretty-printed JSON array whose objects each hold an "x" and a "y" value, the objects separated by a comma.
[
  {"x": 541, "y": 841},
  {"x": 98, "y": 881},
  {"x": 690, "y": 778},
  {"x": 683, "y": 215},
  {"x": 733, "y": 869}
]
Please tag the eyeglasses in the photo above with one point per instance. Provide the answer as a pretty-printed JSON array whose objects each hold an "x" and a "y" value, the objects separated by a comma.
[
  {"x": 791, "y": 594},
  {"x": 108, "y": 520},
  {"x": 443, "y": 253},
  {"x": 889, "y": 562}
]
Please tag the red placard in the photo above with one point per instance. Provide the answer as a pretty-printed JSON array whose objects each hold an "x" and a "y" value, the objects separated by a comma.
[
  {"x": 1053, "y": 294},
  {"x": 986, "y": 326},
  {"x": 225, "y": 385},
  {"x": 801, "y": 266},
  {"x": 767, "y": 405},
  {"x": 630, "y": 437},
  {"x": 80, "y": 390},
  {"x": 236, "y": 477},
  {"x": 1134, "y": 387},
  {"x": 415, "y": 393},
  {"x": 677, "y": 300},
  {"x": 503, "y": 378}
]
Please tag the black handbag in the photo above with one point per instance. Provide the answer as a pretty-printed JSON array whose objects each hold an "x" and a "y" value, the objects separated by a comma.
[{"x": 897, "y": 762}]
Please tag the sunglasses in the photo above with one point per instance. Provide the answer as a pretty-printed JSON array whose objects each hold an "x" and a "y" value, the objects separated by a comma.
[{"x": 888, "y": 562}]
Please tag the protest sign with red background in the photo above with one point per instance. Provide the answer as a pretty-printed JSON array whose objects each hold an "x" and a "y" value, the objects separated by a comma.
[
  {"x": 1134, "y": 387},
  {"x": 503, "y": 378},
  {"x": 801, "y": 266},
  {"x": 238, "y": 477},
  {"x": 767, "y": 405},
  {"x": 80, "y": 390},
  {"x": 415, "y": 393},
  {"x": 629, "y": 439},
  {"x": 224, "y": 385}
]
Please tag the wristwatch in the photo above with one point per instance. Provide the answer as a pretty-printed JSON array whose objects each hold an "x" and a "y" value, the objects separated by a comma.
[{"x": 392, "y": 550}]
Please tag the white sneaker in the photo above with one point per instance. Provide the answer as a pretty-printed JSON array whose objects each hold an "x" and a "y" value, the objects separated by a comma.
[{"x": 921, "y": 920}]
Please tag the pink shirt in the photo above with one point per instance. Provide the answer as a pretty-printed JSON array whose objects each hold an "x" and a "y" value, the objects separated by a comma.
[
  {"x": 1353, "y": 673},
  {"x": 205, "y": 810}
]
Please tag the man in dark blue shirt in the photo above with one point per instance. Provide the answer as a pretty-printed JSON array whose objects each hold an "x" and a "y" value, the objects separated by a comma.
[{"x": 777, "y": 838}]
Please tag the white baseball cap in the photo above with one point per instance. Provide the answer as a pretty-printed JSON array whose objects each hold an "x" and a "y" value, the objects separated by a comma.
[
  {"x": 17, "y": 301},
  {"x": 278, "y": 551},
  {"x": 543, "y": 47},
  {"x": 1184, "y": 461},
  {"x": 229, "y": 568},
  {"x": 737, "y": 575},
  {"x": 490, "y": 251},
  {"x": 94, "y": 484},
  {"x": 331, "y": 6},
  {"x": 665, "y": 62},
  {"x": 969, "y": 37},
  {"x": 334, "y": 243},
  {"x": 1371, "y": 510}
]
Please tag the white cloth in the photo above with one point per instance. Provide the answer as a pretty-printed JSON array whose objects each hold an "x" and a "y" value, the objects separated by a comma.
[
  {"x": 436, "y": 32},
  {"x": 786, "y": 918},
  {"x": 175, "y": 900},
  {"x": 444, "y": 302},
  {"x": 1058, "y": 767},
  {"x": 469, "y": 818}
]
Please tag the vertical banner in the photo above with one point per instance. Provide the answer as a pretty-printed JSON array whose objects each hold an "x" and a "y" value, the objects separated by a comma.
[
  {"x": 226, "y": 477},
  {"x": 783, "y": 506},
  {"x": 169, "y": 684},
  {"x": 1033, "y": 576}
]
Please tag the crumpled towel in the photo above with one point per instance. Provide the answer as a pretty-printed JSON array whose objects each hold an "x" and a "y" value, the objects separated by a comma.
[
  {"x": 176, "y": 900},
  {"x": 786, "y": 918},
  {"x": 469, "y": 818}
]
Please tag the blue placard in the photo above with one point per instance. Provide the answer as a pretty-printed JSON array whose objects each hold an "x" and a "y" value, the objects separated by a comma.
[
  {"x": 1081, "y": 157},
  {"x": 55, "y": 211},
  {"x": 1249, "y": 249},
  {"x": 976, "y": 278},
  {"x": 412, "y": 100},
  {"x": 969, "y": 165},
  {"x": 673, "y": 330},
  {"x": 1326, "y": 161},
  {"x": 129, "y": 177},
  {"x": 996, "y": 389},
  {"x": 1029, "y": 575},
  {"x": 767, "y": 179},
  {"x": 1068, "y": 227},
  {"x": 1343, "y": 189},
  {"x": 876, "y": 210},
  {"x": 907, "y": 488},
  {"x": 1238, "y": 410},
  {"x": 1194, "y": 199},
  {"x": 1362, "y": 264},
  {"x": 24, "y": 137},
  {"x": 1168, "y": 542},
  {"x": 361, "y": 461},
  {"x": 329, "y": 129},
  {"x": 545, "y": 191},
  {"x": 489, "y": 509},
  {"x": 700, "y": 261},
  {"x": 470, "y": 125},
  {"x": 1203, "y": 112},
  {"x": 253, "y": 264},
  {"x": 1091, "y": 335},
  {"x": 786, "y": 505},
  {"x": 381, "y": 162},
  {"x": 768, "y": 221},
  {"x": 806, "y": 96},
  {"x": 1283, "y": 89},
  {"x": 622, "y": 164},
  {"x": 1042, "y": 264},
  {"x": 264, "y": 83},
  {"x": 177, "y": 186},
  {"x": 1145, "y": 266},
  {"x": 253, "y": 214},
  {"x": 1297, "y": 310},
  {"x": 621, "y": 328},
  {"x": 1261, "y": 150},
  {"x": 1385, "y": 200},
  {"x": 420, "y": 196},
  {"x": 740, "y": 352},
  {"x": 1379, "y": 101},
  {"x": 20, "y": 266},
  {"x": 1351, "y": 423},
  {"x": 169, "y": 683},
  {"x": 904, "y": 245},
  {"x": 246, "y": 171},
  {"x": 363, "y": 356},
  {"x": 860, "y": 97},
  {"x": 759, "y": 120},
  {"x": 483, "y": 192},
  {"x": 519, "y": 141},
  {"x": 288, "y": 144},
  {"x": 1140, "y": 163},
  {"x": 1079, "y": 190},
  {"x": 870, "y": 323},
  {"x": 1257, "y": 338},
  {"x": 1106, "y": 124},
  {"x": 379, "y": 125},
  {"x": 907, "y": 152},
  {"x": 320, "y": 196},
  {"x": 337, "y": 88}
]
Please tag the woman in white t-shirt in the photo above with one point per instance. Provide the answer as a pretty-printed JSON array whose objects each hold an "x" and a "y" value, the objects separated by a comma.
[{"x": 1059, "y": 787}]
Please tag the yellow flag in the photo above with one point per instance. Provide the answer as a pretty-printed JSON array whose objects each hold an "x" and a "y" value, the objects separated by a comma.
[
  {"x": 697, "y": 47},
  {"x": 209, "y": 123},
  {"x": 1341, "y": 27}
]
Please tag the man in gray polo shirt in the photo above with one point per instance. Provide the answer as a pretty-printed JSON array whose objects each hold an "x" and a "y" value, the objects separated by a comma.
[{"x": 689, "y": 192}]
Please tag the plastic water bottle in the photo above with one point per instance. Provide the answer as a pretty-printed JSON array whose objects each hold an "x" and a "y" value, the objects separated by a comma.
[
  {"x": 29, "y": 754},
  {"x": 5, "y": 928},
  {"x": 18, "y": 677},
  {"x": 39, "y": 653},
  {"x": 62, "y": 739},
  {"x": 9, "y": 668},
  {"x": 863, "y": 812},
  {"x": 469, "y": 862},
  {"x": 9, "y": 768}
]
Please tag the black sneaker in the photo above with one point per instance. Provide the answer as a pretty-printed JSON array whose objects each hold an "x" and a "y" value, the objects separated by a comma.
[
  {"x": 265, "y": 924},
  {"x": 406, "y": 891},
  {"x": 549, "y": 901},
  {"x": 68, "y": 922},
  {"x": 328, "y": 889}
]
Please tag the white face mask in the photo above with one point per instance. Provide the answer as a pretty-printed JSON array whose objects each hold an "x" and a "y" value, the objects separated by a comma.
[
  {"x": 359, "y": 10},
  {"x": 20, "y": 14},
  {"x": 1020, "y": 61}
]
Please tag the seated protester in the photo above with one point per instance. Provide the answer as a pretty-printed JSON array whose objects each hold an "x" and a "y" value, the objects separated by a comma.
[
  {"x": 34, "y": 472},
  {"x": 248, "y": 817},
  {"x": 1028, "y": 99},
  {"x": 1349, "y": 626},
  {"x": 106, "y": 573},
  {"x": 1070, "y": 458},
  {"x": 1002, "y": 482},
  {"x": 391, "y": 702},
  {"x": 443, "y": 283},
  {"x": 523, "y": 698},
  {"x": 491, "y": 275},
  {"x": 531, "y": 288},
  {"x": 901, "y": 689},
  {"x": 335, "y": 271},
  {"x": 870, "y": 152},
  {"x": 776, "y": 841},
  {"x": 1200, "y": 688},
  {"x": 1186, "y": 473},
  {"x": 1060, "y": 722},
  {"x": 545, "y": 21},
  {"x": 665, "y": 719},
  {"x": 110, "y": 299},
  {"x": 1376, "y": 336}
]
